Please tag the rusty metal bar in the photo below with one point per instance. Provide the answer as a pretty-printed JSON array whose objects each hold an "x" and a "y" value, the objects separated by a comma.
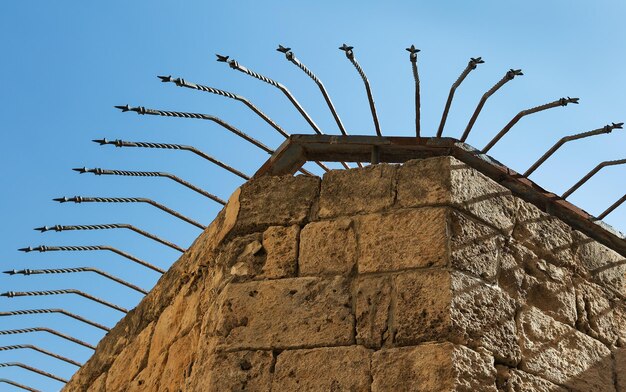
[
  {"x": 58, "y": 228},
  {"x": 27, "y": 272},
  {"x": 99, "y": 172},
  {"x": 41, "y": 350},
  {"x": 50, "y": 311},
  {"x": 34, "y": 370},
  {"x": 13, "y": 294},
  {"x": 591, "y": 174},
  {"x": 612, "y": 207},
  {"x": 518, "y": 116},
  {"x": 413, "y": 58},
  {"x": 87, "y": 199},
  {"x": 510, "y": 75},
  {"x": 350, "y": 55},
  {"x": 50, "y": 331},
  {"x": 557, "y": 145},
  {"x": 473, "y": 63},
  {"x": 43, "y": 248},
  {"x": 18, "y": 385}
]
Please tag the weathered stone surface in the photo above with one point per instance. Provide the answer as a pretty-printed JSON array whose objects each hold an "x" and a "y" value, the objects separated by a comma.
[
  {"x": 131, "y": 360},
  {"x": 424, "y": 182},
  {"x": 474, "y": 247},
  {"x": 373, "y": 307},
  {"x": 328, "y": 248},
  {"x": 99, "y": 385},
  {"x": 403, "y": 239},
  {"x": 180, "y": 357},
  {"x": 305, "y": 312},
  {"x": 620, "y": 369},
  {"x": 432, "y": 368},
  {"x": 357, "y": 191},
  {"x": 149, "y": 378},
  {"x": 238, "y": 371},
  {"x": 276, "y": 201},
  {"x": 600, "y": 314},
  {"x": 562, "y": 355},
  {"x": 513, "y": 380},
  {"x": 605, "y": 266},
  {"x": 281, "y": 246},
  {"x": 535, "y": 282},
  {"x": 323, "y": 369}
]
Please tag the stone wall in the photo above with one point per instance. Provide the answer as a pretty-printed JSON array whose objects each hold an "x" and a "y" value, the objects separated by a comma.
[{"x": 425, "y": 276}]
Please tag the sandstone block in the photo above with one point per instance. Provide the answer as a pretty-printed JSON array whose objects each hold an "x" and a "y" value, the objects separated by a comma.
[
  {"x": 323, "y": 369},
  {"x": 432, "y": 368},
  {"x": 237, "y": 371},
  {"x": 276, "y": 201},
  {"x": 373, "y": 302},
  {"x": 180, "y": 357},
  {"x": 305, "y": 312},
  {"x": 620, "y": 366},
  {"x": 600, "y": 314},
  {"x": 130, "y": 362},
  {"x": 357, "y": 191},
  {"x": 605, "y": 266},
  {"x": 327, "y": 248},
  {"x": 513, "y": 380},
  {"x": 281, "y": 246},
  {"x": 560, "y": 354},
  {"x": 402, "y": 239}
]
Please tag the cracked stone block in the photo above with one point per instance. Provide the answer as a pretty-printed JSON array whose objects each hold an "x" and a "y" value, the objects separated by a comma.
[
  {"x": 513, "y": 380},
  {"x": 605, "y": 266},
  {"x": 601, "y": 315},
  {"x": 373, "y": 306}
]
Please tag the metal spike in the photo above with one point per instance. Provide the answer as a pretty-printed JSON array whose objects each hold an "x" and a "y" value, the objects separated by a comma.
[
  {"x": 110, "y": 226},
  {"x": 557, "y": 145},
  {"x": 89, "y": 199},
  {"x": 50, "y": 331},
  {"x": 413, "y": 58},
  {"x": 41, "y": 350},
  {"x": 591, "y": 174},
  {"x": 473, "y": 63},
  {"x": 350, "y": 55},
  {"x": 27, "y": 272},
  {"x": 59, "y": 311},
  {"x": 612, "y": 207},
  {"x": 43, "y": 248},
  {"x": 34, "y": 370},
  {"x": 99, "y": 172},
  {"x": 13, "y": 294},
  {"x": 510, "y": 75},
  {"x": 518, "y": 116},
  {"x": 18, "y": 385}
]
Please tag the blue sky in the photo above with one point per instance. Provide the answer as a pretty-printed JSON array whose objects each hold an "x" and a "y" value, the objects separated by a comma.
[{"x": 65, "y": 64}]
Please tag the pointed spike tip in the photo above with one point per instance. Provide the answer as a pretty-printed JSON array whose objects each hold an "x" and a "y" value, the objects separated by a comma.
[
  {"x": 101, "y": 142},
  {"x": 10, "y": 272},
  {"x": 618, "y": 125},
  {"x": 221, "y": 59},
  {"x": 283, "y": 49},
  {"x": 26, "y": 250},
  {"x": 41, "y": 229},
  {"x": 477, "y": 60},
  {"x": 413, "y": 49},
  {"x": 165, "y": 79},
  {"x": 124, "y": 108},
  {"x": 346, "y": 48},
  {"x": 61, "y": 199},
  {"x": 81, "y": 170}
]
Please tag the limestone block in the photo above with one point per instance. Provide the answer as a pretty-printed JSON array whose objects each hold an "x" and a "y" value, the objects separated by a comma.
[
  {"x": 180, "y": 357},
  {"x": 357, "y": 191},
  {"x": 237, "y": 371},
  {"x": 130, "y": 362},
  {"x": 402, "y": 239},
  {"x": 99, "y": 384},
  {"x": 148, "y": 379},
  {"x": 281, "y": 246},
  {"x": 323, "y": 369},
  {"x": 327, "y": 248},
  {"x": 604, "y": 265},
  {"x": 305, "y": 312},
  {"x": 558, "y": 353},
  {"x": 600, "y": 314},
  {"x": 373, "y": 302},
  {"x": 432, "y": 368},
  {"x": 620, "y": 368},
  {"x": 513, "y": 380},
  {"x": 276, "y": 201}
]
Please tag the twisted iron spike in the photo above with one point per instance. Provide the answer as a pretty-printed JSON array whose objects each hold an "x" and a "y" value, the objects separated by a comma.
[
  {"x": 13, "y": 294},
  {"x": 413, "y": 58},
  {"x": 99, "y": 171},
  {"x": 350, "y": 55},
  {"x": 87, "y": 199},
  {"x": 18, "y": 385},
  {"x": 557, "y": 145},
  {"x": 43, "y": 248},
  {"x": 180, "y": 82},
  {"x": 41, "y": 350},
  {"x": 43, "y": 229},
  {"x": 60, "y": 311},
  {"x": 34, "y": 370},
  {"x": 169, "y": 146},
  {"x": 612, "y": 207},
  {"x": 473, "y": 63},
  {"x": 510, "y": 75},
  {"x": 518, "y": 116},
  {"x": 27, "y": 272},
  {"x": 591, "y": 174},
  {"x": 235, "y": 65},
  {"x": 50, "y": 331}
]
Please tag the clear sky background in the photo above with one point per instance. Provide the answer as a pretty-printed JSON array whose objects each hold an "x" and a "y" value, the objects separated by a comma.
[{"x": 65, "y": 64}]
